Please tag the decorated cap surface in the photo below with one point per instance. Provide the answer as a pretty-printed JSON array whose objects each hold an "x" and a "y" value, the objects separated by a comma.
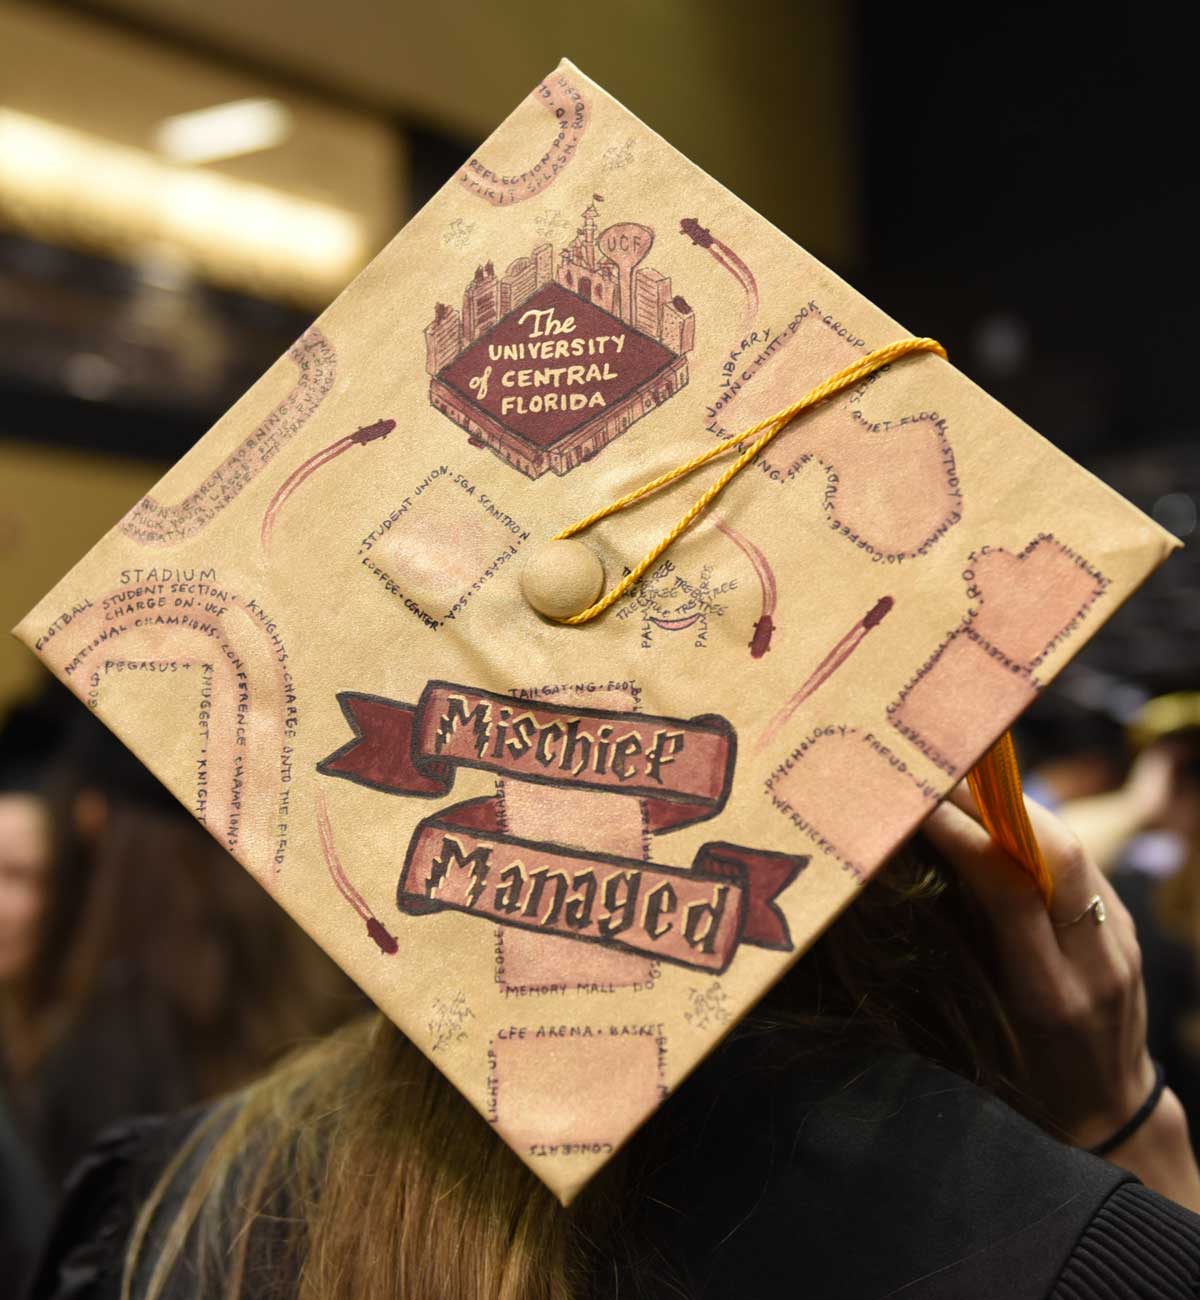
[{"x": 565, "y": 860}]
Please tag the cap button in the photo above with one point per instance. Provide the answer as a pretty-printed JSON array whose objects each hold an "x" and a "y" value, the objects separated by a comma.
[{"x": 562, "y": 578}]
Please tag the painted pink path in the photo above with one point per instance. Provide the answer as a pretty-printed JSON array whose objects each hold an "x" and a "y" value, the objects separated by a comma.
[
  {"x": 569, "y": 113},
  {"x": 582, "y": 1091},
  {"x": 604, "y": 823},
  {"x": 954, "y": 710},
  {"x": 441, "y": 546},
  {"x": 1028, "y": 598},
  {"x": 891, "y": 480},
  {"x": 835, "y": 779},
  {"x": 244, "y": 793},
  {"x": 982, "y": 676},
  {"x": 155, "y": 523}
]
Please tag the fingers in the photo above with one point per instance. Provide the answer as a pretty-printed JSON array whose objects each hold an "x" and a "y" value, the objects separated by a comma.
[
  {"x": 1074, "y": 993},
  {"x": 987, "y": 870},
  {"x": 1060, "y": 848},
  {"x": 1077, "y": 880},
  {"x": 1005, "y": 893},
  {"x": 1014, "y": 907}
]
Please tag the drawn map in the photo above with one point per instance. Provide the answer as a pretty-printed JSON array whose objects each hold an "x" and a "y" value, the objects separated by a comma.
[{"x": 564, "y": 860}]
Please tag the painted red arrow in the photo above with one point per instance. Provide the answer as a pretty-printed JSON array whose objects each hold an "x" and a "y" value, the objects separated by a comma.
[
  {"x": 724, "y": 256},
  {"x": 359, "y": 438},
  {"x": 829, "y": 665},
  {"x": 764, "y": 628},
  {"x": 382, "y": 937}
]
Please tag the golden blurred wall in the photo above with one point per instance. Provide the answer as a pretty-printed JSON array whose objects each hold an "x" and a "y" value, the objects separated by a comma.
[
  {"x": 54, "y": 505},
  {"x": 766, "y": 105},
  {"x": 764, "y": 100},
  {"x": 90, "y": 84}
]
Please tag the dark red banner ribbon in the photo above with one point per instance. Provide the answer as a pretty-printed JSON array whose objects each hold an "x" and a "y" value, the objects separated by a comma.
[
  {"x": 461, "y": 859},
  {"x": 681, "y": 769}
]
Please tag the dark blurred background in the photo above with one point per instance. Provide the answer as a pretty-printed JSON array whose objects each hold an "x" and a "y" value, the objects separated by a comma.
[{"x": 184, "y": 186}]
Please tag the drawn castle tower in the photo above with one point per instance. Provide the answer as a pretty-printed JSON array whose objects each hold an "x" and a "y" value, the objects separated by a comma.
[
  {"x": 481, "y": 303},
  {"x": 585, "y": 270},
  {"x": 443, "y": 338},
  {"x": 678, "y": 330},
  {"x": 602, "y": 284}
]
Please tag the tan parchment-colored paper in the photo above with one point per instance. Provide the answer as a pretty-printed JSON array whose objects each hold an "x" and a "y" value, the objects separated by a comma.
[{"x": 564, "y": 860}]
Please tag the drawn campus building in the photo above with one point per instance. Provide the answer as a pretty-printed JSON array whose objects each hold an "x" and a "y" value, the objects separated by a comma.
[{"x": 658, "y": 326}]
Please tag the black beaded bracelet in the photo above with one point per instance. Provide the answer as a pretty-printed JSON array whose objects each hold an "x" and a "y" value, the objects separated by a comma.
[{"x": 1139, "y": 1117}]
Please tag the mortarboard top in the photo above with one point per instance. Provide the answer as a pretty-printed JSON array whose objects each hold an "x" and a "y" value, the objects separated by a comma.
[{"x": 564, "y": 859}]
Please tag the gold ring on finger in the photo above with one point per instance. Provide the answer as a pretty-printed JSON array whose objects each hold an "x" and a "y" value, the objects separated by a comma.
[{"x": 1095, "y": 909}]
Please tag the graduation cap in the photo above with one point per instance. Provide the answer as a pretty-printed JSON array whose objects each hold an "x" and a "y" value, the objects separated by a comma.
[{"x": 566, "y": 857}]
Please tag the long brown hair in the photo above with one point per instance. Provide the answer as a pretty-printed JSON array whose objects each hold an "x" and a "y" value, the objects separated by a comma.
[
  {"x": 163, "y": 974},
  {"x": 273, "y": 1194},
  {"x": 153, "y": 894}
]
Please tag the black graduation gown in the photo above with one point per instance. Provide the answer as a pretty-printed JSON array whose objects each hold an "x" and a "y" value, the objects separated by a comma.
[{"x": 870, "y": 1179}]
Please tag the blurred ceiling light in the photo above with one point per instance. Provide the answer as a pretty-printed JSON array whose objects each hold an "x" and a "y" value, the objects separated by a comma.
[
  {"x": 62, "y": 184},
  {"x": 162, "y": 268},
  {"x": 91, "y": 376},
  {"x": 224, "y": 131}
]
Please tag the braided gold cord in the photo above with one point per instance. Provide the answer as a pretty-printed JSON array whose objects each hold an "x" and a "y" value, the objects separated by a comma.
[
  {"x": 996, "y": 780},
  {"x": 765, "y": 430}
]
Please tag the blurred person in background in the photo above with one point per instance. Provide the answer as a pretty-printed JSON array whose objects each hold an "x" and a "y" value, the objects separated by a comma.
[
  {"x": 1146, "y": 834},
  {"x": 1069, "y": 751},
  {"x": 1147, "y": 821},
  {"x": 30, "y": 737},
  {"x": 24, "y": 1206},
  {"x": 162, "y": 973},
  {"x": 24, "y": 869}
]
